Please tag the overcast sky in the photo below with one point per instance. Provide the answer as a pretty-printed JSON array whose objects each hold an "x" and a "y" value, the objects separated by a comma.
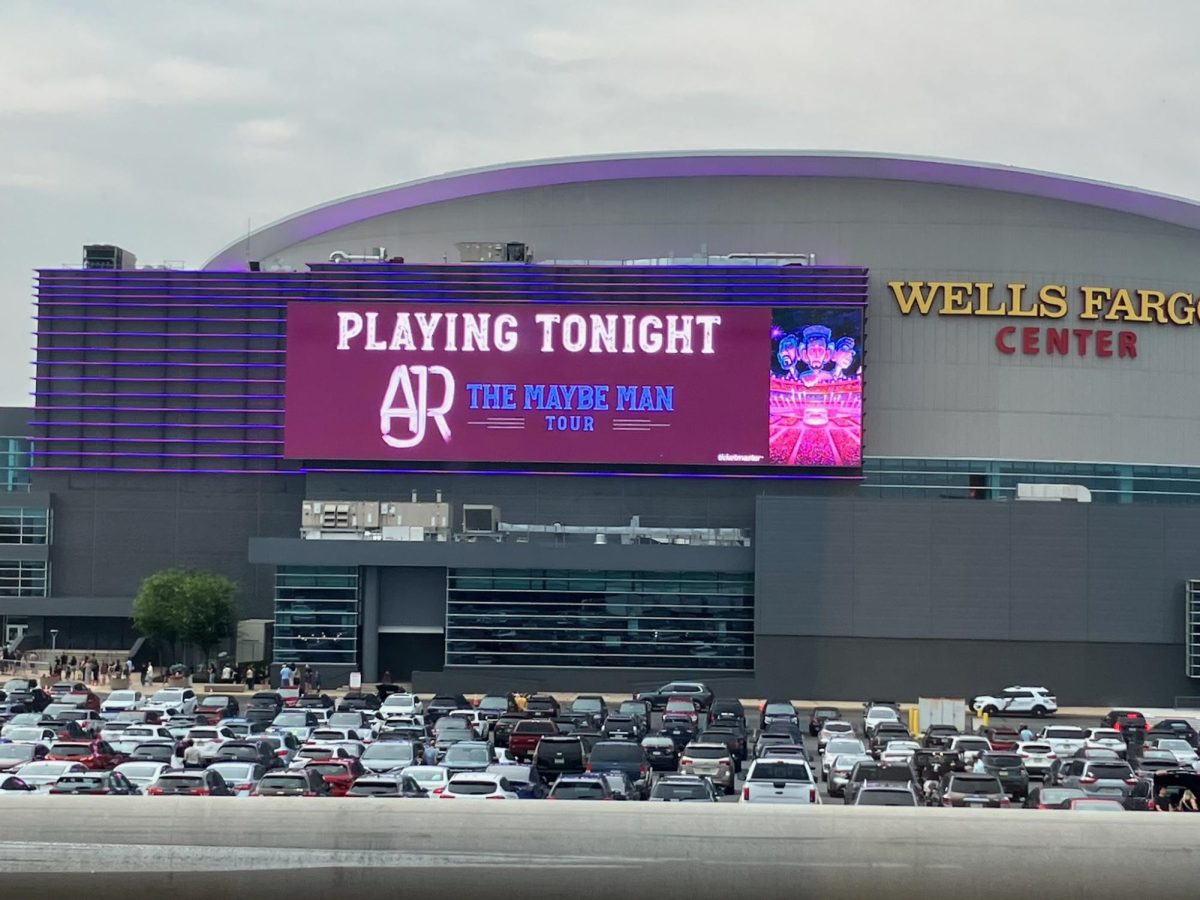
[{"x": 164, "y": 126}]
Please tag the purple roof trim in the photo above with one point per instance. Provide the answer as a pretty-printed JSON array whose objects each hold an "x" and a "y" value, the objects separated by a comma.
[{"x": 303, "y": 226}]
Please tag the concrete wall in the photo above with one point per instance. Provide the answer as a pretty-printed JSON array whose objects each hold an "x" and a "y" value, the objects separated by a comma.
[
  {"x": 111, "y": 530},
  {"x": 937, "y": 386},
  {"x": 972, "y": 570}
]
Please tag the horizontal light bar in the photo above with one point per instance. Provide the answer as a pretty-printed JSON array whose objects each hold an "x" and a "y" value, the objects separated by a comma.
[
  {"x": 150, "y": 425},
  {"x": 155, "y": 409},
  {"x": 164, "y": 364},
  {"x": 114, "y": 440},
  {"x": 106, "y": 349},
  {"x": 157, "y": 380}
]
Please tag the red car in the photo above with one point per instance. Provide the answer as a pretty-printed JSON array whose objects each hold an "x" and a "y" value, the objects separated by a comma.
[
  {"x": 339, "y": 774},
  {"x": 81, "y": 696},
  {"x": 95, "y": 755},
  {"x": 686, "y": 706},
  {"x": 1002, "y": 737}
]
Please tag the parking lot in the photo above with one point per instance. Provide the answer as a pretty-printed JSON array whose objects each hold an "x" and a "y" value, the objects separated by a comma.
[{"x": 664, "y": 745}]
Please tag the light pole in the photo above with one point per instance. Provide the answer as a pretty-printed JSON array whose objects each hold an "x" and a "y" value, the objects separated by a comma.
[{"x": 53, "y": 639}]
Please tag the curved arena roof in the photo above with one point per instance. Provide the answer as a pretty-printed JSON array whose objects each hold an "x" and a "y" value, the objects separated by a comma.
[{"x": 309, "y": 223}]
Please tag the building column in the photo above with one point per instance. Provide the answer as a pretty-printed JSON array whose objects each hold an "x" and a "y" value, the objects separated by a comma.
[{"x": 369, "y": 621}]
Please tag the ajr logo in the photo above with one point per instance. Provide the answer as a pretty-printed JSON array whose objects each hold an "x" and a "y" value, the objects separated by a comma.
[{"x": 415, "y": 406}]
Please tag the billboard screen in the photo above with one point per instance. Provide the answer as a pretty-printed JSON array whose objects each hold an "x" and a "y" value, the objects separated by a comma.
[{"x": 593, "y": 385}]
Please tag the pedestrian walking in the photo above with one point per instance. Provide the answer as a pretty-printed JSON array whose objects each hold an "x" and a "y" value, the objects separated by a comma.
[
  {"x": 285, "y": 675},
  {"x": 1026, "y": 734},
  {"x": 250, "y": 678}
]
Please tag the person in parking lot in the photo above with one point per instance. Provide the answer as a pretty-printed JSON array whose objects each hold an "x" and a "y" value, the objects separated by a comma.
[
  {"x": 250, "y": 678},
  {"x": 1026, "y": 734},
  {"x": 285, "y": 676}
]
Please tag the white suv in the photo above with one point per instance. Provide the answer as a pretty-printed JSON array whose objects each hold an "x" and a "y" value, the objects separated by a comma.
[{"x": 1017, "y": 700}]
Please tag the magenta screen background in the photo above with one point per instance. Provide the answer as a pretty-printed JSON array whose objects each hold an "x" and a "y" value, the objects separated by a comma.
[{"x": 721, "y": 400}]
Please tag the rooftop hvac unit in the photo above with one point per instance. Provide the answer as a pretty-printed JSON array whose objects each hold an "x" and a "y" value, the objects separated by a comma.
[
  {"x": 327, "y": 515},
  {"x": 494, "y": 251},
  {"x": 107, "y": 256},
  {"x": 375, "y": 254},
  {"x": 430, "y": 516},
  {"x": 480, "y": 519}
]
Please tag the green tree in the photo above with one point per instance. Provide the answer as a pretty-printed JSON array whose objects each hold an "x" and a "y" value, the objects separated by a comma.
[{"x": 192, "y": 606}]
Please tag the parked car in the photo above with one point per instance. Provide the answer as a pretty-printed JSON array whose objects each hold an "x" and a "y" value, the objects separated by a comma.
[
  {"x": 783, "y": 780},
  {"x": 841, "y": 765},
  {"x": 658, "y": 698},
  {"x": 142, "y": 773},
  {"x": 833, "y": 728},
  {"x": 358, "y": 700},
  {"x": 240, "y": 777},
  {"x": 254, "y": 751},
  {"x": 121, "y": 701},
  {"x": 1152, "y": 761},
  {"x": 524, "y": 780},
  {"x": 591, "y": 705},
  {"x": 523, "y": 739},
  {"x": 968, "y": 789},
  {"x": 819, "y": 716},
  {"x": 1037, "y": 756},
  {"x": 586, "y": 786},
  {"x": 503, "y": 727},
  {"x": 469, "y": 756},
  {"x": 1017, "y": 700},
  {"x": 838, "y": 746},
  {"x": 1002, "y": 737},
  {"x": 661, "y": 752},
  {"x": 404, "y": 704},
  {"x": 303, "y": 782},
  {"x": 560, "y": 755},
  {"x": 727, "y": 710},
  {"x": 627, "y": 728},
  {"x": 173, "y": 701},
  {"x": 970, "y": 746},
  {"x": 431, "y": 778},
  {"x": 712, "y": 761},
  {"x": 622, "y": 756},
  {"x": 395, "y": 786},
  {"x": 202, "y": 783},
  {"x": 683, "y": 789},
  {"x": 887, "y": 793},
  {"x": 1040, "y": 797},
  {"x": 43, "y": 773},
  {"x": 266, "y": 700},
  {"x": 338, "y": 774},
  {"x": 877, "y": 715},
  {"x": 443, "y": 704},
  {"x": 1180, "y": 728},
  {"x": 875, "y": 772},
  {"x": 1108, "y": 739},
  {"x": 108, "y": 782},
  {"x": 939, "y": 736},
  {"x": 1100, "y": 778},
  {"x": 94, "y": 755},
  {"x": 478, "y": 786},
  {"x": 1184, "y": 753},
  {"x": 543, "y": 706},
  {"x": 778, "y": 711},
  {"x": 385, "y": 756},
  {"x": 1009, "y": 769},
  {"x": 1123, "y": 719}
]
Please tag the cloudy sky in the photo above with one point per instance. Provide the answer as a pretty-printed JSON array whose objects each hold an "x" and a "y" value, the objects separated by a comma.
[{"x": 165, "y": 126}]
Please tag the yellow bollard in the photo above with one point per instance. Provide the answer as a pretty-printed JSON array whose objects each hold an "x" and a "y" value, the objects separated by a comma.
[
  {"x": 914, "y": 720},
  {"x": 983, "y": 719}
]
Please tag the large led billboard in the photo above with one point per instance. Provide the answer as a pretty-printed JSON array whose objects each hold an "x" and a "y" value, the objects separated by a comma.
[{"x": 766, "y": 389}]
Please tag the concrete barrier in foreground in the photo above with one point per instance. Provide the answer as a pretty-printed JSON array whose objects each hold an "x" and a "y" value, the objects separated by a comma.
[{"x": 274, "y": 847}]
